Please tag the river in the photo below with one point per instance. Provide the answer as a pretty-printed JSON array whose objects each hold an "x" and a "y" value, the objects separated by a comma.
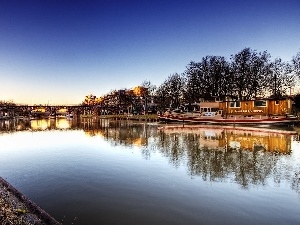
[{"x": 96, "y": 171}]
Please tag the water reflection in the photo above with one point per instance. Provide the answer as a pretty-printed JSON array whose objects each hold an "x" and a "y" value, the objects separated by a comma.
[
  {"x": 228, "y": 138},
  {"x": 246, "y": 156},
  {"x": 119, "y": 132},
  {"x": 36, "y": 125},
  {"x": 243, "y": 155}
]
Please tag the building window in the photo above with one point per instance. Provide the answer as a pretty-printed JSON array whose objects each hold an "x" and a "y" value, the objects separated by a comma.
[
  {"x": 235, "y": 104},
  {"x": 277, "y": 102},
  {"x": 260, "y": 103}
]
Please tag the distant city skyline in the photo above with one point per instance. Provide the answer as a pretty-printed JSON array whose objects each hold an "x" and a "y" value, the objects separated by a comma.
[{"x": 57, "y": 52}]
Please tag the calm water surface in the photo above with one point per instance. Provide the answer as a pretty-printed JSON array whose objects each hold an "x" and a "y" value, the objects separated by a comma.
[{"x": 108, "y": 172}]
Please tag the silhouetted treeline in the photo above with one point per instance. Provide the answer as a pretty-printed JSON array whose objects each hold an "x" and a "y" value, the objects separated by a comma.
[{"x": 246, "y": 75}]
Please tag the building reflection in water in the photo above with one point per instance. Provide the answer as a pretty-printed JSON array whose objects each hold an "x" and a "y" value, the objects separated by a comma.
[
  {"x": 229, "y": 138},
  {"x": 246, "y": 156}
]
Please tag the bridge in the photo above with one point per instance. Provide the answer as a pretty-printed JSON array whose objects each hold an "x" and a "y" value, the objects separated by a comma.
[{"x": 11, "y": 110}]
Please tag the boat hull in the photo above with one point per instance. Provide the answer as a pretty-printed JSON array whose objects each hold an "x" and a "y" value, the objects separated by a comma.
[
  {"x": 205, "y": 127},
  {"x": 220, "y": 120}
]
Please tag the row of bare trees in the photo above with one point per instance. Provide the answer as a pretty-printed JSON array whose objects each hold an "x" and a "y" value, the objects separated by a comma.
[
  {"x": 248, "y": 74},
  {"x": 7, "y": 103}
]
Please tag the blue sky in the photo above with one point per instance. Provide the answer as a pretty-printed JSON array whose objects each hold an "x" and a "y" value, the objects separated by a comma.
[{"x": 60, "y": 51}]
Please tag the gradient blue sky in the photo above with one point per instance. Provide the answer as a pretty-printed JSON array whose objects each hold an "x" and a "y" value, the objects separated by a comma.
[{"x": 60, "y": 51}]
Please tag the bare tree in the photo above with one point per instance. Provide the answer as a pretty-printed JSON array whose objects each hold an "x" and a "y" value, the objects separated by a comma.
[
  {"x": 283, "y": 78},
  {"x": 171, "y": 91},
  {"x": 162, "y": 98},
  {"x": 175, "y": 87},
  {"x": 296, "y": 64},
  {"x": 218, "y": 76},
  {"x": 193, "y": 83},
  {"x": 251, "y": 71}
]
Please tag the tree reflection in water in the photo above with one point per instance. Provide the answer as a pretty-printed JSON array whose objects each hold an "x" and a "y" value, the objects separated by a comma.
[
  {"x": 246, "y": 157},
  {"x": 255, "y": 159}
]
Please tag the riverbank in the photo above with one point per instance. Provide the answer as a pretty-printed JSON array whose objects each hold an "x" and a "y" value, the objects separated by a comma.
[
  {"x": 15, "y": 208},
  {"x": 146, "y": 118}
]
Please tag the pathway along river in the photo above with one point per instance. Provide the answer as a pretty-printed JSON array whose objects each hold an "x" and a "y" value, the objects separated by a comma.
[{"x": 119, "y": 172}]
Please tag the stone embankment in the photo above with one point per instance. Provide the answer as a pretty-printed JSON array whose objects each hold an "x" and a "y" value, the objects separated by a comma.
[{"x": 15, "y": 208}]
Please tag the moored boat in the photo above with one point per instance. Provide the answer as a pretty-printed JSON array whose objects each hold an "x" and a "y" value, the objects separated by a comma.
[
  {"x": 262, "y": 111},
  {"x": 230, "y": 128}
]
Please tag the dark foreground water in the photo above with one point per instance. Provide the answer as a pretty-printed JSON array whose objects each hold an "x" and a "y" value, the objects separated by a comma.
[{"x": 105, "y": 172}]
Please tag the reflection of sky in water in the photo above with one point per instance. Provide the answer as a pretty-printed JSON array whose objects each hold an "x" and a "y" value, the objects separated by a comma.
[
  {"x": 35, "y": 140},
  {"x": 153, "y": 181},
  {"x": 234, "y": 144},
  {"x": 296, "y": 153}
]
